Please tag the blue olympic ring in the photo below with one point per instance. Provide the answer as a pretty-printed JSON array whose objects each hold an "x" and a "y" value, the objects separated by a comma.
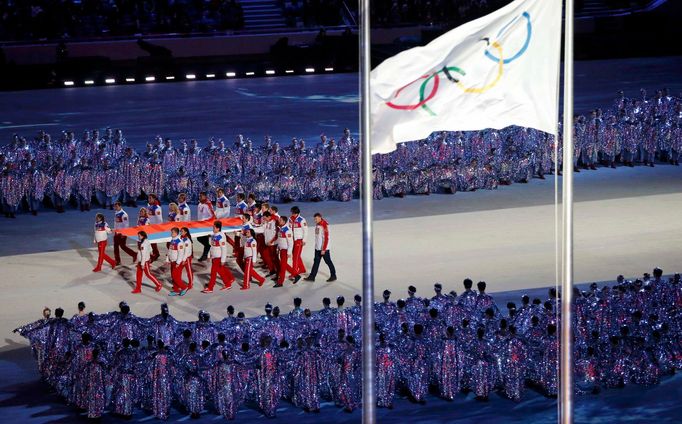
[{"x": 523, "y": 49}]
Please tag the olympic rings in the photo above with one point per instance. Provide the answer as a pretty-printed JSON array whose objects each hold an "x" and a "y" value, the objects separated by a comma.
[
  {"x": 499, "y": 59},
  {"x": 529, "y": 33}
]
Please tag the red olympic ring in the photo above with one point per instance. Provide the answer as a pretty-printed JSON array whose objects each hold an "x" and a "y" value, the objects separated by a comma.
[{"x": 431, "y": 95}]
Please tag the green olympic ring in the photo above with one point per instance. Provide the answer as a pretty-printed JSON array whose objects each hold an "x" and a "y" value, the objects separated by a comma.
[{"x": 422, "y": 88}]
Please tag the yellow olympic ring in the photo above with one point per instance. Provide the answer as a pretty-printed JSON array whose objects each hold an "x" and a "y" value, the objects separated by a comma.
[{"x": 500, "y": 72}]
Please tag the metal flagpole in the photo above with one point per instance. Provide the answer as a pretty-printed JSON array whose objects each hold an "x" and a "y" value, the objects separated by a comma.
[
  {"x": 368, "y": 395},
  {"x": 566, "y": 366},
  {"x": 558, "y": 275}
]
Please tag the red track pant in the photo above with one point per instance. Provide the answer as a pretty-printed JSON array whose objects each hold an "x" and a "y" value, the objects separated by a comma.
[
  {"x": 250, "y": 272},
  {"x": 239, "y": 256},
  {"x": 283, "y": 266},
  {"x": 269, "y": 257},
  {"x": 236, "y": 244},
  {"x": 260, "y": 240},
  {"x": 296, "y": 261},
  {"x": 176, "y": 273},
  {"x": 102, "y": 256},
  {"x": 120, "y": 243},
  {"x": 155, "y": 252},
  {"x": 225, "y": 274},
  {"x": 145, "y": 269},
  {"x": 190, "y": 273}
]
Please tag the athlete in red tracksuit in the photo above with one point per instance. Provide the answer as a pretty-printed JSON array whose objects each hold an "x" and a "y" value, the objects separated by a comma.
[
  {"x": 155, "y": 215},
  {"x": 259, "y": 227},
  {"x": 120, "y": 222},
  {"x": 299, "y": 227},
  {"x": 142, "y": 259},
  {"x": 183, "y": 207},
  {"x": 322, "y": 249},
  {"x": 241, "y": 240},
  {"x": 204, "y": 213},
  {"x": 218, "y": 257},
  {"x": 285, "y": 245},
  {"x": 186, "y": 238},
  {"x": 239, "y": 210},
  {"x": 176, "y": 257},
  {"x": 250, "y": 256},
  {"x": 222, "y": 204},
  {"x": 222, "y": 210},
  {"x": 269, "y": 251},
  {"x": 102, "y": 231}
]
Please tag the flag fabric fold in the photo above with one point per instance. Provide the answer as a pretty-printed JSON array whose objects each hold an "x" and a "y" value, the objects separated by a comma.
[{"x": 493, "y": 72}]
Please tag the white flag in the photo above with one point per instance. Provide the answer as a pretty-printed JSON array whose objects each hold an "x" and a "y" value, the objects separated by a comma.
[{"x": 496, "y": 71}]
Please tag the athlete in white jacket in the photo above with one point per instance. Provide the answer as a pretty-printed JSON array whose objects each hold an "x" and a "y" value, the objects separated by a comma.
[{"x": 142, "y": 259}]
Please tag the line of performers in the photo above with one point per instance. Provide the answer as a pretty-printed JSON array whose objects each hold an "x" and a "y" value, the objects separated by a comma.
[
  {"x": 277, "y": 239},
  {"x": 625, "y": 334},
  {"x": 105, "y": 168}
]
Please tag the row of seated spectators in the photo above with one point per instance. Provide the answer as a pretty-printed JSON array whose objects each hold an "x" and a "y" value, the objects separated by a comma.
[
  {"x": 314, "y": 13},
  {"x": 407, "y": 12},
  {"x": 431, "y": 12},
  {"x": 310, "y": 13},
  {"x": 77, "y": 19}
]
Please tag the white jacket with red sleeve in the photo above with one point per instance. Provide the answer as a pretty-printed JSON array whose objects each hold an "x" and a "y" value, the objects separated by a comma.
[
  {"x": 102, "y": 231},
  {"x": 176, "y": 250},
  {"x": 121, "y": 220},
  {"x": 144, "y": 252},
  {"x": 205, "y": 211},
  {"x": 299, "y": 227},
  {"x": 251, "y": 249},
  {"x": 270, "y": 232},
  {"x": 222, "y": 207},
  {"x": 185, "y": 212},
  {"x": 219, "y": 246},
  {"x": 155, "y": 213},
  {"x": 285, "y": 239},
  {"x": 322, "y": 235}
]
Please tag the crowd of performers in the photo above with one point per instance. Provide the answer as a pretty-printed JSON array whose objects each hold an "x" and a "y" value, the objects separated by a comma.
[
  {"x": 104, "y": 168},
  {"x": 628, "y": 333},
  {"x": 263, "y": 233}
]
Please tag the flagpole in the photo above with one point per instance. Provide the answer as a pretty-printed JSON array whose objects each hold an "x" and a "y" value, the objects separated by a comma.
[
  {"x": 566, "y": 366},
  {"x": 368, "y": 395}
]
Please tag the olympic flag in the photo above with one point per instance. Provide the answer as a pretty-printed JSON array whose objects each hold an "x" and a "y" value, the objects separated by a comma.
[{"x": 493, "y": 72}]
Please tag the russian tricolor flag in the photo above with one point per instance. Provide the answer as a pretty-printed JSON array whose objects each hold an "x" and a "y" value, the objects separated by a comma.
[{"x": 160, "y": 233}]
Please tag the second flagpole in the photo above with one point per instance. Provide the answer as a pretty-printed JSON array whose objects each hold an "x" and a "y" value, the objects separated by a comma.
[
  {"x": 368, "y": 360},
  {"x": 566, "y": 356}
]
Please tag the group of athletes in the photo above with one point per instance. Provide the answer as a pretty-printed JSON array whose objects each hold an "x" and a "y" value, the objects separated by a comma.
[{"x": 277, "y": 239}]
